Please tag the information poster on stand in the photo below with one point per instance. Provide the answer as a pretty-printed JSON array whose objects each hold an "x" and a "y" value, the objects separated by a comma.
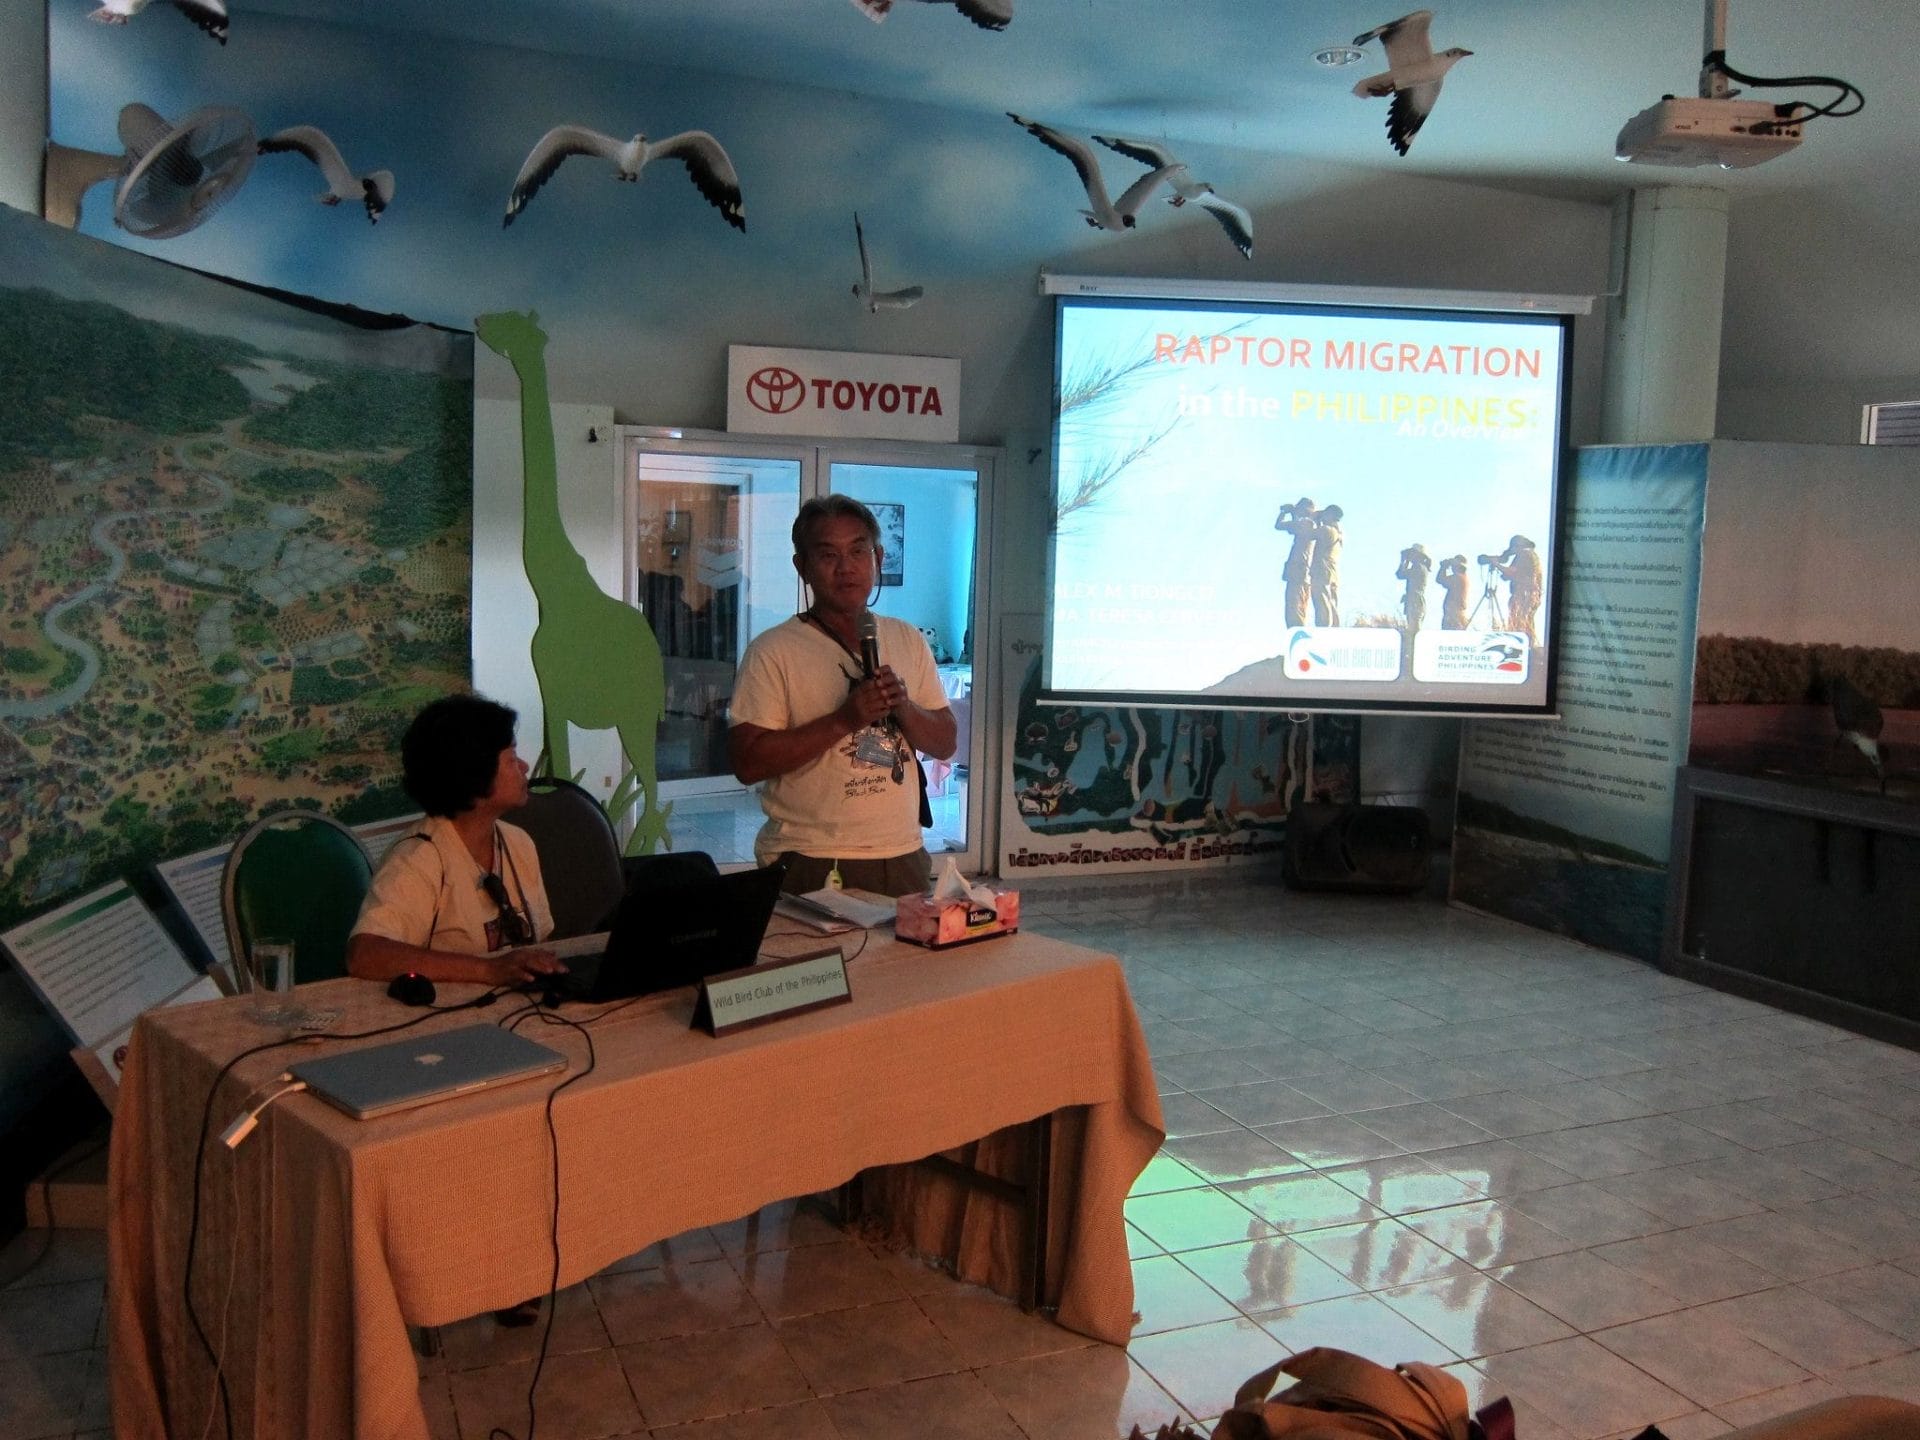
[
  {"x": 1119, "y": 787},
  {"x": 1565, "y": 824}
]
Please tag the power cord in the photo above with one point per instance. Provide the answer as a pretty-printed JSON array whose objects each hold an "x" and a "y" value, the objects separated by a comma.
[
  {"x": 250, "y": 1117},
  {"x": 1717, "y": 60},
  {"x": 226, "y": 1303},
  {"x": 513, "y": 1022},
  {"x": 200, "y": 1163},
  {"x": 46, "y": 1200}
]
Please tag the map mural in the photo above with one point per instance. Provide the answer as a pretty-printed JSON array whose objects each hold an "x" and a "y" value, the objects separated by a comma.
[{"x": 235, "y": 553}]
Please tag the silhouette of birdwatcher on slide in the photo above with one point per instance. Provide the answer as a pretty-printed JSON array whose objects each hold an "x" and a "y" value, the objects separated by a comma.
[
  {"x": 1324, "y": 572},
  {"x": 1297, "y": 520},
  {"x": 1520, "y": 564},
  {"x": 1453, "y": 579},
  {"x": 1416, "y": 568}
]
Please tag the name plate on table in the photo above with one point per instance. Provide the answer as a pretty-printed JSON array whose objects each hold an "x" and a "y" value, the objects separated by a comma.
[{"x": 760, "y": 994}]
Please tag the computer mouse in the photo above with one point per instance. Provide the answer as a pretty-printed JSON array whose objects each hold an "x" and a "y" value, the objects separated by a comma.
[{"x": 411, "y": 989}]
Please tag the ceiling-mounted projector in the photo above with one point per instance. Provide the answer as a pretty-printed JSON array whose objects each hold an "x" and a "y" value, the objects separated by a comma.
[
  {"x": 1732, "y": 134},
  {"x": 1718, "y": 129}
]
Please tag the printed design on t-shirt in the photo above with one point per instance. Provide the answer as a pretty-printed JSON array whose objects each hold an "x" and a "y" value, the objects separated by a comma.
[{"x": 875, "y": 754}]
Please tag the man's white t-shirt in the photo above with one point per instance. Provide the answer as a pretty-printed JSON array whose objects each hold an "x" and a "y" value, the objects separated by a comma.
[
  {"x": 843, "y": 804},
  {"x": 428, "y": 892}
]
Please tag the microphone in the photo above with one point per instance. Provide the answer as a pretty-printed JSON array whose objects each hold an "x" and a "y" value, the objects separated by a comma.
[{"x": 870, "y": 656}]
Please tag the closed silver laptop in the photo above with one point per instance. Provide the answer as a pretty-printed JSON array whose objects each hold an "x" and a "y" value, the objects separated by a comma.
[{"x": 420, "y": 1069}]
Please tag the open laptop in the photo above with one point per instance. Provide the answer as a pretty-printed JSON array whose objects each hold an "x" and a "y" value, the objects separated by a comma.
[
  {"x": 664, "y": 937},
  {"x": 423, "y": 1068}
]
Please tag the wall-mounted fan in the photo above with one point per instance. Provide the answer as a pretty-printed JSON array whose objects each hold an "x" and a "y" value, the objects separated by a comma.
[{"x": 171, "y": 178}]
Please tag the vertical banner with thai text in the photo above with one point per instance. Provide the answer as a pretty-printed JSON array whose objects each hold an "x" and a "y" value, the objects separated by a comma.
[{"x": 1565, "y": 824}]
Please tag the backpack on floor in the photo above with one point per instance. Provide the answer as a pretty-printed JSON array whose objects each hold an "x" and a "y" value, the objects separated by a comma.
[{"x": 1340, "y": 1396}]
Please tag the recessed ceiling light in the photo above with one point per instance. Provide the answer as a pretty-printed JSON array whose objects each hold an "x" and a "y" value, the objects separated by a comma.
[{"x": 1334, "y": 56}]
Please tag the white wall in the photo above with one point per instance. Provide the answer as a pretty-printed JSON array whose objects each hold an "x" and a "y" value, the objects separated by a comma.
[
  {"x": 1812, "y": 412},
  {"x": 1812, "y": 544}
]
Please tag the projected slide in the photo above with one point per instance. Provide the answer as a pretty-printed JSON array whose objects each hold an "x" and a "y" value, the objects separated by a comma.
[{"x": 1304, "y": 507}]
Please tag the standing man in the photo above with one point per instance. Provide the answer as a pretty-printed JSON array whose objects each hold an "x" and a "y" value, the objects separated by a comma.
[
  {"x": 1526, "y": 580},
  {"x": 834, "y": 744},
  {"x": 1416, "y": 568},
  {"x": 1297, "y": 520},
  {"x": 1453, "y": 579},
  {"x": 1324, "y": 573}
]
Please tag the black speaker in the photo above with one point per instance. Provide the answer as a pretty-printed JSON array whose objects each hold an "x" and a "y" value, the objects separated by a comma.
[{"x": 1367, "y": 849}]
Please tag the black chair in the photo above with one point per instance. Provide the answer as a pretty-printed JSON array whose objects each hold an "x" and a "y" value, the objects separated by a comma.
[
  {"x": 668, "y": 871},
  {"x": 579, "y": 855},
  {"x": 296, "y": 875}
]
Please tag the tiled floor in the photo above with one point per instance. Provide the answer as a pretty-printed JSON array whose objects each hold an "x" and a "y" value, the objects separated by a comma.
[{"x": 1409, "y": 1131}]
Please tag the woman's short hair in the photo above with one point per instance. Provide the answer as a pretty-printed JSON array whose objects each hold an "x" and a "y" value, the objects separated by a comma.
[
  {"x": 451, "y": 752},
  {"x": 822, "y": 508}
]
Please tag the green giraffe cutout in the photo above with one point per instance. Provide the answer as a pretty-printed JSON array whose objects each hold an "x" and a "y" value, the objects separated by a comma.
[{"x": 596, "y": 658}]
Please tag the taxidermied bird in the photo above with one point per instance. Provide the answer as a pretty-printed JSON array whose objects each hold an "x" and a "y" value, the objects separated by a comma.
[
  {"x": 878, "y": 300},
  {"x": 1236, "y": 222},
  {"x": 374, "y": 189},
  {"x": 712, "y": 172},
  {"x": 987, "y": 14},
  {"x": 1106, "y": 214},
  {"x": 209, "y": 15},
  {"x": 1857, "y": 718},
  {"x": 1413, "y": 76}
]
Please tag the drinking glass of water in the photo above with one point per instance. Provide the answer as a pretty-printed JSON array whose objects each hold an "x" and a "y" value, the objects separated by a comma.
[{"x": 273, "y": 1004}]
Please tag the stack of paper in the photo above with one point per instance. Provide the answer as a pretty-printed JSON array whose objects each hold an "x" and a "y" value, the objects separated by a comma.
[{"x": 860, "y": 908}]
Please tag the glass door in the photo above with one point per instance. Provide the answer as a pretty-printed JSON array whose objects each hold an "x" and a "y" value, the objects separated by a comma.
[
  {"x": 930, "y": 501},
  {"x": 710, "y": 566}
]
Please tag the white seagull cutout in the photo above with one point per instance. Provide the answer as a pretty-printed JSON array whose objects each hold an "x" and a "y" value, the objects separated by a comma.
[
  {"x": 1236, "y": 222},
  {"x": 987, "y": 14},
  {"x": 712, "y": 172},
  {"x": 1106, "y": 214},
  {"x": 1413, "y": 75},
  {"x": 878, "y": 300},
  {"x": 209, "y": 15},
  {"x": 374, "y": 189}
]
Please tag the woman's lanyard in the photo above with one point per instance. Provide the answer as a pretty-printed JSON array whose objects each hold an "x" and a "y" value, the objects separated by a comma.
[{"x": 522, "y": 919}]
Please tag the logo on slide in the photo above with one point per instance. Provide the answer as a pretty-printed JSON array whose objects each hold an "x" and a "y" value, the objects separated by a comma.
[
  {"x": 1507, "y": 651},
  {"x": 1471, "y": 657},
  {"x": 776, "y": 390},
  {"x": 1342, "y": 653},
  {"x": 1302, "y": 657}
]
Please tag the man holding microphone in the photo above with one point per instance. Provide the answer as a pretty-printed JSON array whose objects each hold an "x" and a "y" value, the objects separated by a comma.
[{"x": 828, "y": 709}]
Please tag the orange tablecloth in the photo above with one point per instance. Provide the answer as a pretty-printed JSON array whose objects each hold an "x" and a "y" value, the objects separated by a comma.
[{"x": 323, "y": 1237}]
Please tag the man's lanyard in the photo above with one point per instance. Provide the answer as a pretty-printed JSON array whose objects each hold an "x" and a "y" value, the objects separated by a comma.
[{"x": 826, "y": 630}]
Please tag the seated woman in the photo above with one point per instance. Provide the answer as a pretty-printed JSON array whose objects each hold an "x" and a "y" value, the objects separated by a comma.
[{"x": 449, "y": 899}]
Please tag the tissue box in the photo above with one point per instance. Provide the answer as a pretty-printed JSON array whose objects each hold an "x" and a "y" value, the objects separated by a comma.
[{"x": 932, "y": 922}]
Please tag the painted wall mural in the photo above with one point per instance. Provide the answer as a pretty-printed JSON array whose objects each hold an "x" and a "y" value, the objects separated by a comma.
[
  {"x": 1122, "y": 787},
  {"x": 234, "y": 544}
]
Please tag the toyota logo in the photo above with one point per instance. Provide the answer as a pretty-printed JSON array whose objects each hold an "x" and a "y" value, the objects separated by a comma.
[{"x": 776, "y": 390}]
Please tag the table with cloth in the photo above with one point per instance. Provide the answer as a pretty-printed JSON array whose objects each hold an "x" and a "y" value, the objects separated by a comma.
[{"x": 322, "y": 1237}]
